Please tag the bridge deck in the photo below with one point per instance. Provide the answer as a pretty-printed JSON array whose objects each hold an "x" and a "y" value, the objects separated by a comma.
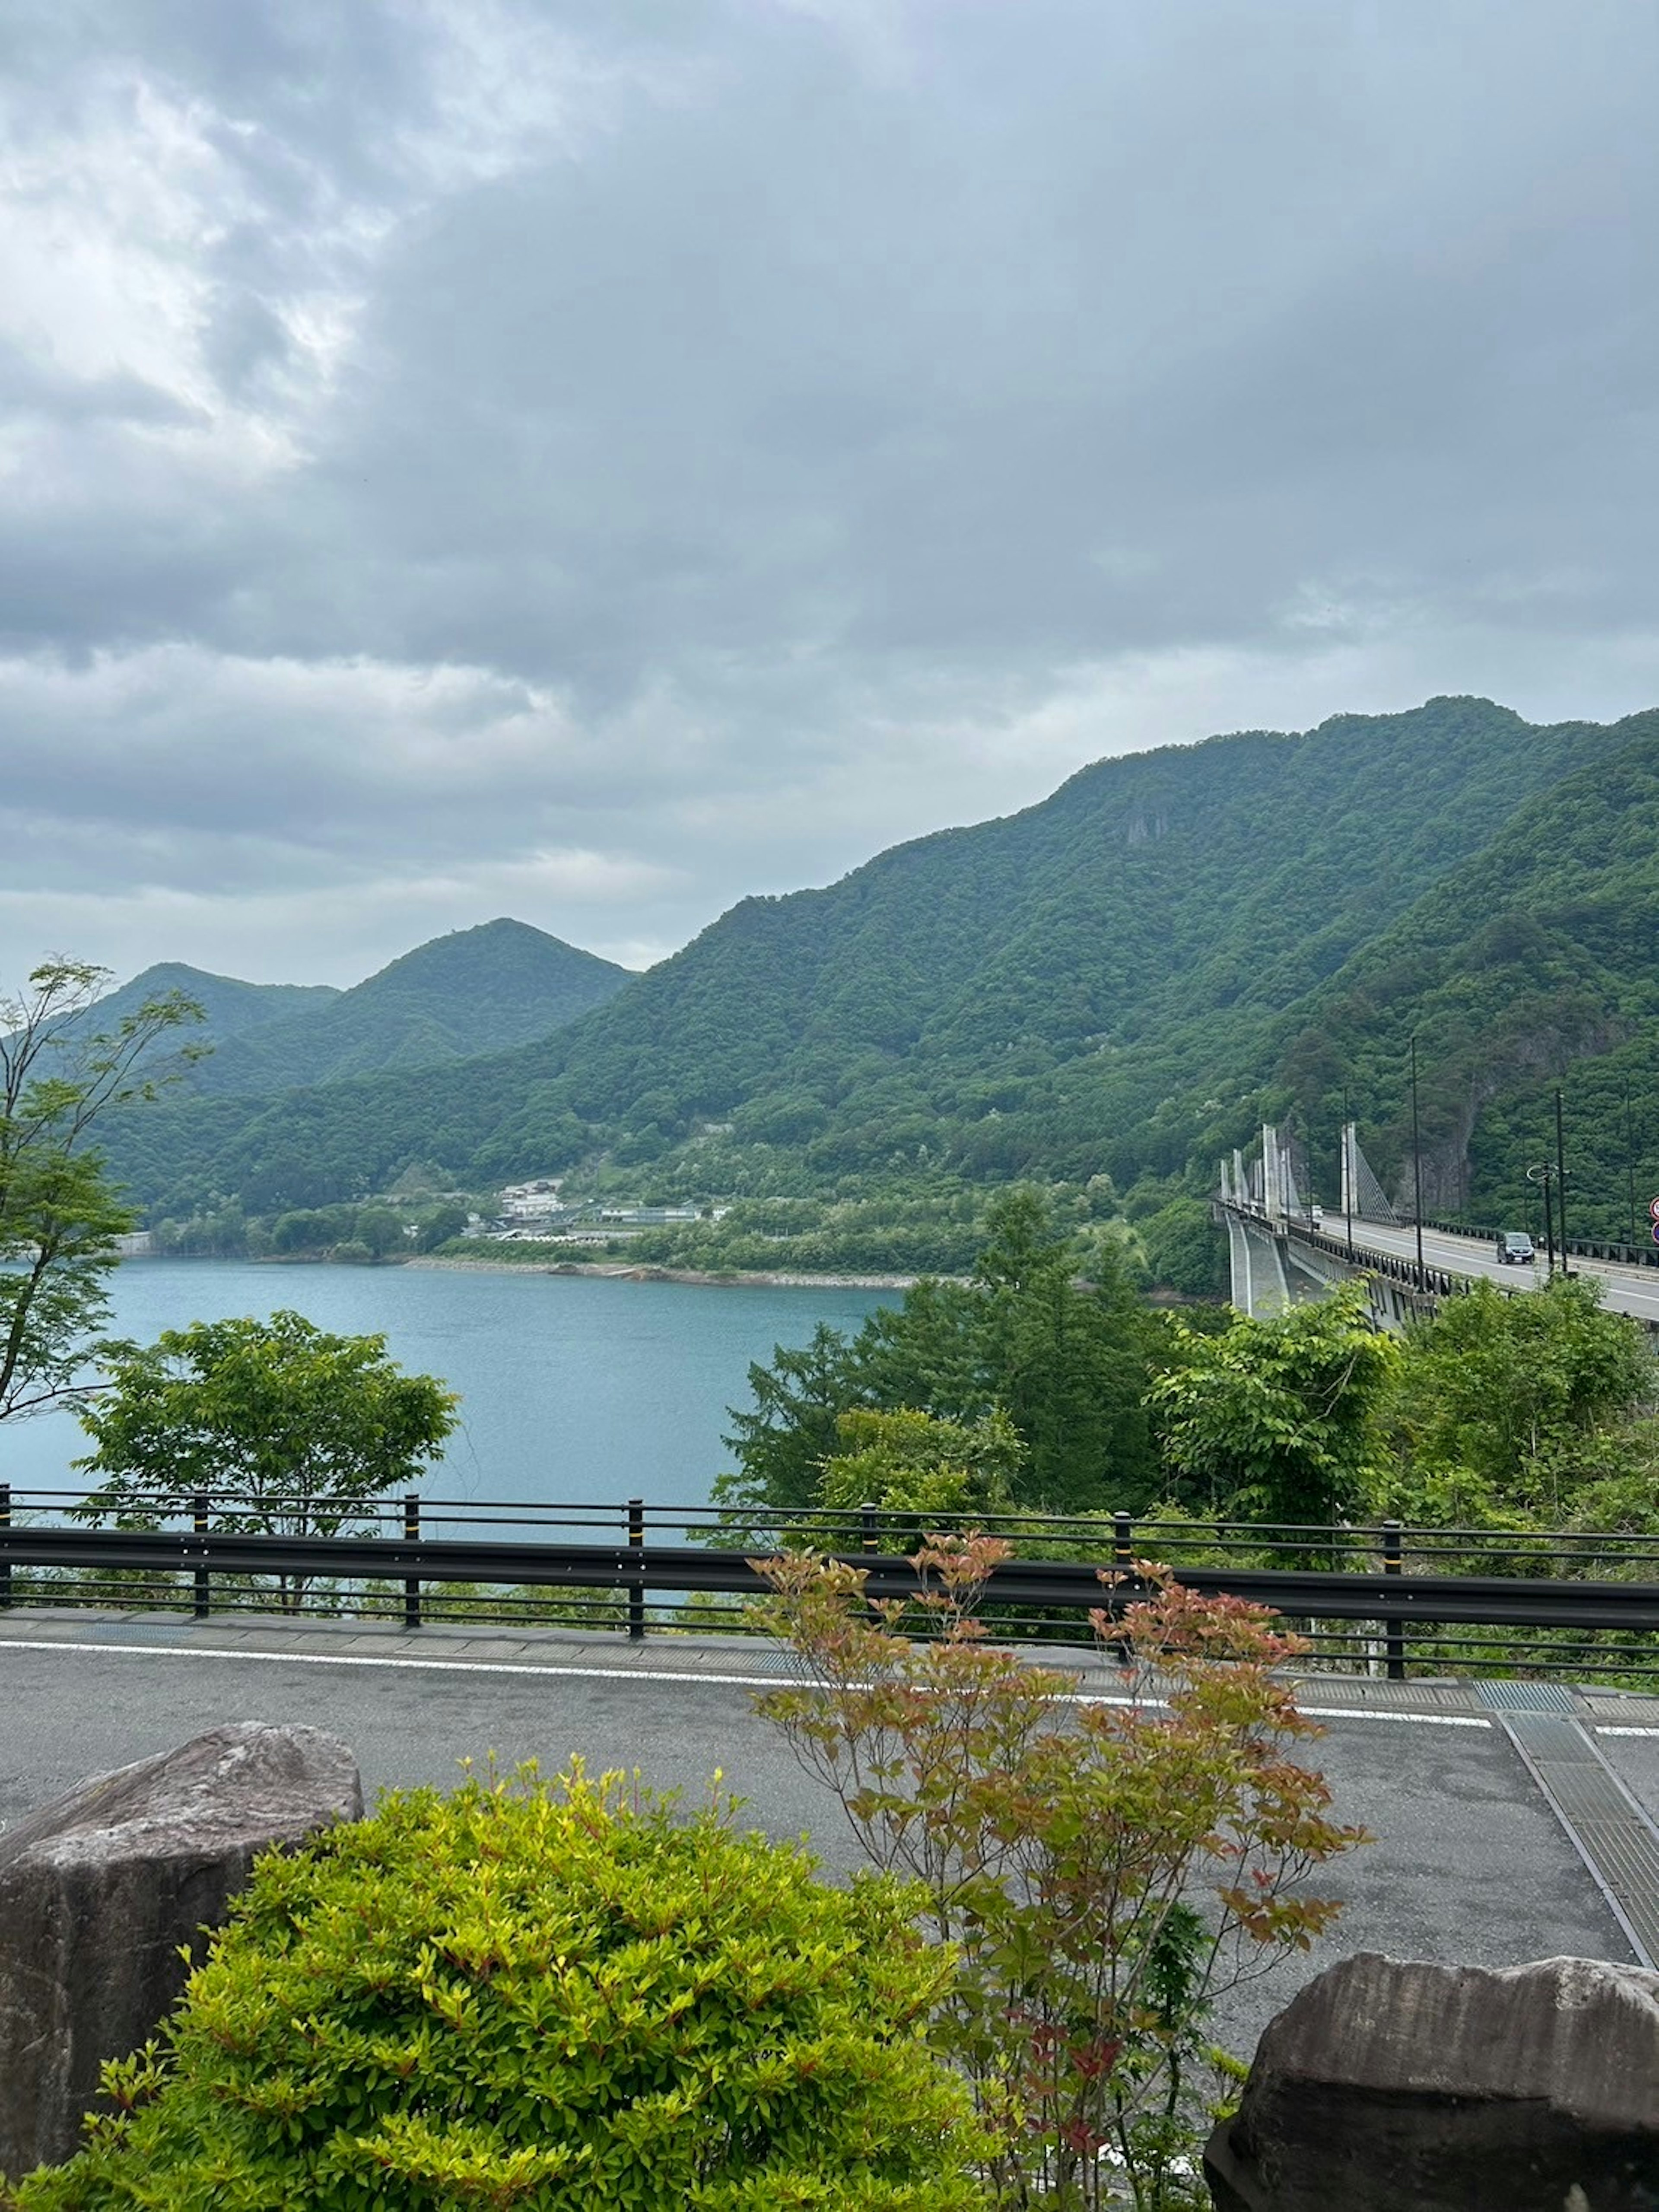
[
  {"x": 1318, "y": 1254},
  {"x": 1626, "y": 1290}
]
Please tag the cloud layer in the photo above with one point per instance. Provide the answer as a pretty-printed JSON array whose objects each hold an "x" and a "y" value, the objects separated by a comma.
[{"x": 595, "y": 460}]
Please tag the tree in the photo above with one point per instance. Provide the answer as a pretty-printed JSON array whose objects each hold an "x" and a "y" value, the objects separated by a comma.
[
  {"x": 1185, "y": 1249},
  {"x": 1104, "y": 1868},
  {"x": 1068, "y": 1364},
  {"x": 782, "y": 1441},
  {"x": 381, "y": 1229},
  {"x": 1506, "y": 1402},
  {"x": 59, "y": 1215},
  {"x": 915, "y": 1463},
  {"x": 1281, "y": 1419},
  {"x": 443, "y": 1223},
  {"x": 290, "y": 1429},
  {"x": 1066, "y": 1361},
  {"x": 545, "y": 1997}
]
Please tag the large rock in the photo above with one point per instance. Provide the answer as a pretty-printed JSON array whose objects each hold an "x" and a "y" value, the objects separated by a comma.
[
  {"x": 1391, "y": 2086},
  {"x": 99, "y": 1888}
]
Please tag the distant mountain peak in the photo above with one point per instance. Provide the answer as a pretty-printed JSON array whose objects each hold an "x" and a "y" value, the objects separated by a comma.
[{"x": 483, "y": 990}]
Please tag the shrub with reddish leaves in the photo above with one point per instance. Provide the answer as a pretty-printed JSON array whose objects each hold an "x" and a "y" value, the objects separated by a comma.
[{"x": 1105, "y": 1869}]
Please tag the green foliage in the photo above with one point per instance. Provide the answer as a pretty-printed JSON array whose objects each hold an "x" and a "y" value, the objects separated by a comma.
[
  {"x": 229, "y": 1008},
  {"x": 382, "y": 1230},
  {"x": 912, "y": 1463},
  {"x": 473, "y": 991},
  {"x": 784, "y": 1438},
  {"x": 61, "y": 1075},
  {"x": 290, "y": 1428},
  {"x": 1185, "y": 1249},
  {"x": 1506, "y": 1405},
  {"x": 1064, "y": 1848},
  {"x": 1068, "y": 1364},
  {"x": 917, "y": 1224},
  {"x": 1064, "y": 1362},
  {"x": 1278, "y": 1420},
  {"x": 1614, "y": 1487},
  {"x": 438, "y": 1225},
  {"x": 552, "y": 1999}
]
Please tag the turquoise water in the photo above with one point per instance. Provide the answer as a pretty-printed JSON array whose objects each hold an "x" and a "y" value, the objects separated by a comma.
[{"x": 575, "y": 1389}]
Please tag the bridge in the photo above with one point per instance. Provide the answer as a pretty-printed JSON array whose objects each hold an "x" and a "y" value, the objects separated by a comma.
[{"x": 1285, "y": 1249}]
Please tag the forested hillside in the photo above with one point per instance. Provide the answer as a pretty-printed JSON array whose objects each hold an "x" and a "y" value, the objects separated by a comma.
[
  {"x": 1121, "y": 979},
  {"x": 475, "y": 991},
  {"x": 232, "y": 1008},
  {"x": 1534, "y": 963}
]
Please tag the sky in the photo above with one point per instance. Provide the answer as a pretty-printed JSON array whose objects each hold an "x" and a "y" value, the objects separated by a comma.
[{"x": 594, "y": 459}]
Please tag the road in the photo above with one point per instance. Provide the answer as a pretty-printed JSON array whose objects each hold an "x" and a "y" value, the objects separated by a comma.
[
  {"x": 1629, "y": 1290},
  {"x": 1470, "y": 1861}
]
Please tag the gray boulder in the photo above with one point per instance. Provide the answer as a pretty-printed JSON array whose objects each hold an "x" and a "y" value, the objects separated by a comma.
[
  {"x": 1391, "y": 2086},
  {"x": 99, "y": 1888}
]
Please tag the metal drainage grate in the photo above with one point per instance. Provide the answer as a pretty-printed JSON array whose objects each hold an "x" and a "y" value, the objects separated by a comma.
[
  {"x": 1527, "y": 1697},
  {"x": 1605, "y": 1824}
]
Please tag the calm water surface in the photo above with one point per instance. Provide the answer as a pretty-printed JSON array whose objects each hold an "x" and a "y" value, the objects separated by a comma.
[{"x": 573, "y": 1389}]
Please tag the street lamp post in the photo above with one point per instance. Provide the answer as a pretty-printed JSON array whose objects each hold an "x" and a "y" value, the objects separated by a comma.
[
  {"x": 1561, "y": 1184},
  {"x": 1540, "y": 1174},
  {"x": 1630, "y": 1167},
  {"x": 1347, "y": 1168},
  {"x": 1417, "y": 1170}
]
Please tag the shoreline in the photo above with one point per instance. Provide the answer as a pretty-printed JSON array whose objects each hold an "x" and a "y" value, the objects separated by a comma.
[{"x": 728, "y": 1279}]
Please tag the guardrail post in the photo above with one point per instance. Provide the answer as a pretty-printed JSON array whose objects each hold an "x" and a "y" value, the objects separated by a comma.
[
  {"x": 1393, "y": 1631},
  {"x": 5, "y": 1557},
  {"x": 1123, "y": 1541},
  {"x": 204, "y": 1595},
  {"x": 870, "y": 1540},
  {"x": 412, "y": 1582},
  {"x": 636, "y": 1589},
  {"x": 1123, "y": 1561}
]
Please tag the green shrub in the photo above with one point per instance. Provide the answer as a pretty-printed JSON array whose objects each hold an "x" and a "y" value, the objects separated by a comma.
[{"x": 545, "y": 1998}]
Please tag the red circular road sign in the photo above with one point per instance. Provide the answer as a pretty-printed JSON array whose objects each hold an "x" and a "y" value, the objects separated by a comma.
[{"x": 1653, "y": 1208}]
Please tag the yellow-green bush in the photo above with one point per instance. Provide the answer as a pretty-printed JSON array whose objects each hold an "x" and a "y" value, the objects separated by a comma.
[{"x": 542, "y": 1997}]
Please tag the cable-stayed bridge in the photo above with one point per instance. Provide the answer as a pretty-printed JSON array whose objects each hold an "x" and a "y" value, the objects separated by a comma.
[{"x": 1285, "y": 1248}]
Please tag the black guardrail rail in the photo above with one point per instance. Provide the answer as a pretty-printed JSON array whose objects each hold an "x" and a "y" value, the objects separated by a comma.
[{"x": 1402, "y": 1605}]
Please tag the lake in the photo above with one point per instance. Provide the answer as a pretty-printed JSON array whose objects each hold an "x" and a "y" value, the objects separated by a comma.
[{"x": 574, "y": 1389}]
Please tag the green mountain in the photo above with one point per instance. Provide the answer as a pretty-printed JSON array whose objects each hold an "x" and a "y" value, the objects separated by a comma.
[
  {"x": 1534, "y": 966},
  {"x": 232, "y": 1009},
  {"x": 1123, "y": 978},
  {"x": 475, "y": 991}
]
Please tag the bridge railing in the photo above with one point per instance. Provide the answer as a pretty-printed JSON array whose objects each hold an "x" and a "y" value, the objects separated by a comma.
[
  {"x": 1386, "y": 1598},
  {"x": 1614, "y": 1251},
  {"x": 1422, "y": 1292},
  {"x": 1434, "y": 1283}
]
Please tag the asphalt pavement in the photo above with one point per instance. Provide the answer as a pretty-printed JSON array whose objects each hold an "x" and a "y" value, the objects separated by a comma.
[
  {"x": 1627, "y": 1290},
  {"x": 1470, "y": 1862}
]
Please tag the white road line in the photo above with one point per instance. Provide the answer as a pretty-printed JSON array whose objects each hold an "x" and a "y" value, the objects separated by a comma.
[
  {"x": 1375, "y": 1713},
  {"x": 358, "y": 1659},
  {"x": 1597, "y": 1728},
  {"x": 638, "y": 1675}
]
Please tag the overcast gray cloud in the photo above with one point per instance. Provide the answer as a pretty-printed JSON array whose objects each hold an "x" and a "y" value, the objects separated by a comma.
[{"x": 592, "y": 460}]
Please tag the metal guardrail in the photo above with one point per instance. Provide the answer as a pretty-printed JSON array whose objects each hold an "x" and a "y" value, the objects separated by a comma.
[
  {"x": 1613, "y": 1250},
  {"x": 1435, "y": 1282},
  {"x": 1404, "y": 1588},
  {"x": 1432, "y": 1283},
  {"x": 1440, "y": 1280}
]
